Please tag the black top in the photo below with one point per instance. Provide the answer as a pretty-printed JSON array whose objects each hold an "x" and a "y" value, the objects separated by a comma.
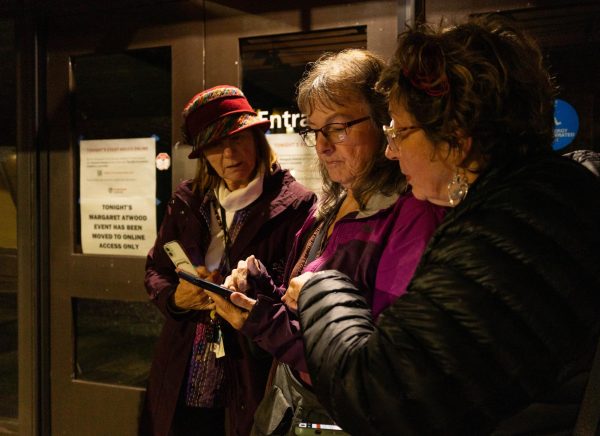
[{"x": 499, "y": 324}]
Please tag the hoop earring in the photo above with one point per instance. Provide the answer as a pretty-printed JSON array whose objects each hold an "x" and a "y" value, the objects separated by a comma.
[{"x": 458, "y": 187}]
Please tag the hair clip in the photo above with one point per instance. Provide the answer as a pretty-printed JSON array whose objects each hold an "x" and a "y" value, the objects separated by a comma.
[{"x": 428, "y": 84}]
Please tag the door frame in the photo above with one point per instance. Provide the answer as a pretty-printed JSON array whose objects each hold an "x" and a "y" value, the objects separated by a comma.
[{"x": 79, "y": 406}]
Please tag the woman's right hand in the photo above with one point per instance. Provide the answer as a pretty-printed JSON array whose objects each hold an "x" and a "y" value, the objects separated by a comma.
[
  {"x": 237, "y": 314},
  {"x": 191, "y": 297},
  {"x": 238, "y": 279},
  {"x": 290, "y": 298}
]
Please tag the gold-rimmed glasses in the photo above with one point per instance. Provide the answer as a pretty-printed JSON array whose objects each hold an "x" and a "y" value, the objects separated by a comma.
[{"x": 395, "y": 135}]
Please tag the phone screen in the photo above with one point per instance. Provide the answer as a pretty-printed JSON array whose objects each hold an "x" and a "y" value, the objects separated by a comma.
[
  {"x": 319, "y": 426},
  {"x": 312, "y": 428}
]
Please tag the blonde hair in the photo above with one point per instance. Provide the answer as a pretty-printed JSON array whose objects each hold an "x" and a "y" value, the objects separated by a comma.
[{"x": 342, "y": 79}]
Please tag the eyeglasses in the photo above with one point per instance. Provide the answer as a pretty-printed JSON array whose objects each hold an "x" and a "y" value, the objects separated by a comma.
[
  {"x": 396, "y": 135},
  {"x": 333, "y": 132}
]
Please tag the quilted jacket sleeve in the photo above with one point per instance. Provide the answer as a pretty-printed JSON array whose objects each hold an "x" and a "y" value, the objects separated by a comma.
[
  {"x": 347, "y": 358},
  {"x": 416, "y": 372}
]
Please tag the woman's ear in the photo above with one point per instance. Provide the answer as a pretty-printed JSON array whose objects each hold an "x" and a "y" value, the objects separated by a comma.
[{"x": 462, "y": 154}]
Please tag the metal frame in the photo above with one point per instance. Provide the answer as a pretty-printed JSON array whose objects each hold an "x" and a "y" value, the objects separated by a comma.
[{"x": 32, "y": 229}]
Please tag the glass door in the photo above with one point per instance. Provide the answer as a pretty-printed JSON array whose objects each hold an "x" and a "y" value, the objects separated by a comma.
[{"x": 116, "y": 80}]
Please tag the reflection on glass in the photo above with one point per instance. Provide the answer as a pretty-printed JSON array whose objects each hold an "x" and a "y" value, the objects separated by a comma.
[
  {"x": 8, "y": 198},
  {"x": 8, "y": 233},
  {"x": 124, "y": 95},
  {"x": 272, "y": 66},
  {"x": 114, "y": 340}
]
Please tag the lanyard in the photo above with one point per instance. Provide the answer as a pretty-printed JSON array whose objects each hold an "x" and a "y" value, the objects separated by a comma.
[{"x": 222, "y": 221}]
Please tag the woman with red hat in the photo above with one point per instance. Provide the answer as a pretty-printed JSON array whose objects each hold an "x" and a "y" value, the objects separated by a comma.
[{"x": 240, "y": 203}]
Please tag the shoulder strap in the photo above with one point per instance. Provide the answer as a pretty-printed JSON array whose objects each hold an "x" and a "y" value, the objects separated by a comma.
[{"x": 589, "y": 412}]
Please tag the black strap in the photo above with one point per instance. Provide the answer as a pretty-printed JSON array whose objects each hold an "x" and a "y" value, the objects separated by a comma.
[
  {"x": 226, "y": 239},
  {"x": 317, "y": 244},
  {"x": 589, "y": 411},
  {"x": 320, "y": 240},
  {"x": 222, "y": 221}
]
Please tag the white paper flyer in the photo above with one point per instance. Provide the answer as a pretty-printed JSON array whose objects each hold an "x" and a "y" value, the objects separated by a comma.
[{"x": 117, "y": 183}]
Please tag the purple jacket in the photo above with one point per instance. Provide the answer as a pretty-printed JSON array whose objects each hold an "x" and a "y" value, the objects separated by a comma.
[
  {"x": 276, "y": 216},
  {"x": 378, "y": 249}
]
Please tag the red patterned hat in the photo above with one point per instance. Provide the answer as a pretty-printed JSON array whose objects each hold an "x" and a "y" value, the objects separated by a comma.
[{"x": 216, "y": 113}]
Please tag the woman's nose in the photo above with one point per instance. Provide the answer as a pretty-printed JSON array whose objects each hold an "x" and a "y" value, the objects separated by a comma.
[
  {"x": 227, "y": 148},
  {"x": 323, "y": 145},
  {"x": 390, "y": 154}
]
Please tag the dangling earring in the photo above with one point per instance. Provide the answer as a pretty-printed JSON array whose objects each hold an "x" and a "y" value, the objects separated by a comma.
[{"x": 458, "y": 187}]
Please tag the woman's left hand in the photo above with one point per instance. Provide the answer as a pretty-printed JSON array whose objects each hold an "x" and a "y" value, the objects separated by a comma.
[
  {"x": 290, "y": 298},
  {"x": 234, "y": 315}
]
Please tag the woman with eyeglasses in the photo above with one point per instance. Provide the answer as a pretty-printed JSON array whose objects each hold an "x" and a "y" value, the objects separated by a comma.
[
  {"x": 497, "y": 330},
  {"x": 366, "y": 225}
]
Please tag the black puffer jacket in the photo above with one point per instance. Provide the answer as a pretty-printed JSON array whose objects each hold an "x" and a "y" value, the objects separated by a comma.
[{"x": 497, "y": 330}]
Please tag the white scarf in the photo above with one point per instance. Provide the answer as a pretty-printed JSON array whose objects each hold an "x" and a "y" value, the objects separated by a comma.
[{"x": 232, "y": 201}]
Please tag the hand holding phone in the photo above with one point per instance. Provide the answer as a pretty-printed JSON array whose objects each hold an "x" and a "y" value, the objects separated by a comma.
[
  {"x": 187, "y": 271},
  {"x": 187, "y": 296},
  {"x": 209, "y": 286}
]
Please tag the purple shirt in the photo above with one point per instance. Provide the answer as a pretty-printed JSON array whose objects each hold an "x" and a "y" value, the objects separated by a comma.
[{"x": 378, "y": 249}]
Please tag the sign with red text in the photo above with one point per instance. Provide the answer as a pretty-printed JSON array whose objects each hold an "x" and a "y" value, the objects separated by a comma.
[{"x": 117, "y": 181}]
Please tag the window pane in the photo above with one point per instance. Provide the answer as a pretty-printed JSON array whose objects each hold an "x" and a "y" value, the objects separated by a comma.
[
  {"x": 124, "y": 95},
  {"x": 114, "y": 340},
  {"x": 568, "y": 37},
  {"x": 272, "y": 65}
]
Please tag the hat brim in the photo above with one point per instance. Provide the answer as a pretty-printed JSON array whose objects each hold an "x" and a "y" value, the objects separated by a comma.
[{"x": 224, "y": 127}]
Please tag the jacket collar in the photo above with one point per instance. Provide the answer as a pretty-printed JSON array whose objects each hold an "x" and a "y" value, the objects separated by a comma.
[{"x": 377, "y": 202}]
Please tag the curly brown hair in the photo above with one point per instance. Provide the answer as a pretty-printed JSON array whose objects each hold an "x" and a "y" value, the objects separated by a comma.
[
  {"x": 483, "y": 79},
  {"x": 340, "y": 79}
]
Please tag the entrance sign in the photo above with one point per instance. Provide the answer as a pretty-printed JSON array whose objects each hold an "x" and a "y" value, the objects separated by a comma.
[{"x": 118, "y": 196}]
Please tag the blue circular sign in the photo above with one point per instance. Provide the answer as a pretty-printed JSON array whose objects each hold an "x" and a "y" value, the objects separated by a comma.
[{"x": 566, "y": 124}]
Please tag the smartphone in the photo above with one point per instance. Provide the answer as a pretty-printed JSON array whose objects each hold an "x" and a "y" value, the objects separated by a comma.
[
  {"x": 205, "y": 284},
  {"x": 188, "y": 272},
  {"x": 311, "y": 428},
  {"x": 179, "y": 258}
]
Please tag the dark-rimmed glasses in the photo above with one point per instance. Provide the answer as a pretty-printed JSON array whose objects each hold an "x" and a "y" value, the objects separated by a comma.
[
  {"x": 396, "y": 135},
  {"x": 333, "y": 132}
]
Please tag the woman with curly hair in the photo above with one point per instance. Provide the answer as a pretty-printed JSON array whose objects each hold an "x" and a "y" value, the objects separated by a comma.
[{"x": 498, "y": 326}]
